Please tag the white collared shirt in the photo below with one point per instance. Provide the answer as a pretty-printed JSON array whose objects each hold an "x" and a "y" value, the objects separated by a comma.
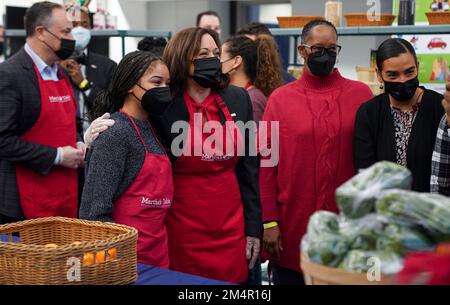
[{"x": 47, "y": 72}]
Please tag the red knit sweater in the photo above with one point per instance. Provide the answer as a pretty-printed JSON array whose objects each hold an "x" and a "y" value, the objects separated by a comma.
[{"x": 316, "y": 117}]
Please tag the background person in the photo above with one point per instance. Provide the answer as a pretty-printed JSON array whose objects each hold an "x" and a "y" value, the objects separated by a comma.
[
  {"x": 253, "y": 30},
  {"x": 255, "y": 66},
  {"x": 440, "y": 172},
  {"x": 399, "y": 125},
  {"x": 209, "y": 20},
  {"x": 89, "y": 72},
  {"x": 154, "y": 45}
]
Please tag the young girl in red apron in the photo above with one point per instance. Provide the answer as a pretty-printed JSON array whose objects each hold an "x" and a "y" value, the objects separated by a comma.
[
  {"x": 153, "y": 181},
  {"x": 143, "y": 192}
]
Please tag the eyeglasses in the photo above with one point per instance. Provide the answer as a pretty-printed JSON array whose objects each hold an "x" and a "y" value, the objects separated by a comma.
[{"x": 333, "y": 50}]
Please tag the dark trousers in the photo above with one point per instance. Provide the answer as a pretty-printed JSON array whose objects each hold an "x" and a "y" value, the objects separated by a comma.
[
  {"x": 254, "y": 275},
  {"x": 286, "y": 276},
  {"x": 6, "y": 219}
]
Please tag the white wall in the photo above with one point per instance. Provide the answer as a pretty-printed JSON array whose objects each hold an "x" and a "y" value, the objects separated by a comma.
[
  {"x": 176, "y": 15},
  {"x": 268, "y": 12}
]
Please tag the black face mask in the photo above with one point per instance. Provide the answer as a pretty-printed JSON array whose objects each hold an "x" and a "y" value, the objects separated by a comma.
[
  {"x": 67, "y": 47},
  {"x": 321, "y": 65},
  {"x": 207, "y": 72},
  {"x": 402, "y": 91},
  {"x": 156, "y": 100}
]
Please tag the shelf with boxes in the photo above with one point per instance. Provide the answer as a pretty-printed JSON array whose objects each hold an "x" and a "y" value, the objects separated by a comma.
[
  {"x": 373, "y": 31},
  {"x": 294, "y": 33}
]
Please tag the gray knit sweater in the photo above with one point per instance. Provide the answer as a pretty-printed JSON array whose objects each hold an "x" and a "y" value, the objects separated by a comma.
[{"x": 114, "y": 161}]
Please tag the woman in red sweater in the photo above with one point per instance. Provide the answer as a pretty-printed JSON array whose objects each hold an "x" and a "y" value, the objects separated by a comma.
[{"x": 316, "y": 116}]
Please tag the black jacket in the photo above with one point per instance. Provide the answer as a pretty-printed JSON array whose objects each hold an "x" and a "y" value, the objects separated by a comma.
[
  {"x": 99, "y": 72},
  {"x": 247, "y": 169},
  {"x": 20, "y": 107},
  {"x": 374, "y": 138}
]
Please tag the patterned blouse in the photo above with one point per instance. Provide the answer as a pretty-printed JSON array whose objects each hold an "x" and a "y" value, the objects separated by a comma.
[{"x": 403, "y": 122}]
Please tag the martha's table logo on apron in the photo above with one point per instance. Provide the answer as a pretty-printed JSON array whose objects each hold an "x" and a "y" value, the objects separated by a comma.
[
  {"x": 206, "y": 157},
  {"x": 60, "y": 99},
  {"x": 156, "y": 203}
]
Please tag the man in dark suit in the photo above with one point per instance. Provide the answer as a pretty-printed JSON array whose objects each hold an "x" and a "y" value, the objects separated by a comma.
[
  {"x": 39, "y": 148},
  {"x": 90, "y": 72}
]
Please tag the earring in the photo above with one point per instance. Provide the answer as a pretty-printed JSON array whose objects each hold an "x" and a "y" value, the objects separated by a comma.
[{"x": 381, "y": 86}]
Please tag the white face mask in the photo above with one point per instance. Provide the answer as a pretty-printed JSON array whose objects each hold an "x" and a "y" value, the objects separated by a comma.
[{"x": 82, "y": 37}]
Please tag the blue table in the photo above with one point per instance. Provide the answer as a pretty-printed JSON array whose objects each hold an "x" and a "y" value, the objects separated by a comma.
[{"x": 151, "y": 275}]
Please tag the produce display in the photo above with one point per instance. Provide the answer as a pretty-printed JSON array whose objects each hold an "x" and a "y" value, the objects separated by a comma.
[
  {"x": 357, "y": 197},
  {"x": 379, "y": 218},
  {"x": 428, "y": 210}
]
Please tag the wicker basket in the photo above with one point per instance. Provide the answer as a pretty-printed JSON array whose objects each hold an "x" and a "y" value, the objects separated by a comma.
[
  {"x": 296, "y": 21},
  {"x": 438, "y": 17},
  {"x": 88, "y": 252},
  {"x": 362, "y": 20},
  {"x": 316, "y": 274}
]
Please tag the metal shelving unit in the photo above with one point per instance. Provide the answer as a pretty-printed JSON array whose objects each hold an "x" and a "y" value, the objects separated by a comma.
[
  {"x": 369, "y": 31},
  {"x": 375, "y": 31},
  {"x": 104, "y": 33}
]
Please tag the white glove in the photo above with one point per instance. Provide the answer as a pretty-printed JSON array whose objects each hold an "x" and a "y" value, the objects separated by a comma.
[
  {"x": 98, "y": 126},
  {"x": 252, "y": 250}
]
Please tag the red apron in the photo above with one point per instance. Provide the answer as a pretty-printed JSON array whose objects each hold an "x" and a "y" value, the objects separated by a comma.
[
  {"x": 144, "y": 206},
  {"x": 55, "y": 194},
  {"x": 206, "y": 223}
]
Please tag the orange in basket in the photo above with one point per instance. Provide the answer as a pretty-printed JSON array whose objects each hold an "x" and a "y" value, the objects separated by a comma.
[
  {"x": 30, "y": 262},
  {"x": 88, "y": 259},
  {"x": 112, "y": 253}
]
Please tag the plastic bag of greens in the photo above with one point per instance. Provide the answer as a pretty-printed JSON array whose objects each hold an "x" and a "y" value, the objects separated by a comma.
[
  {"x": 376, "y": 232},
  {"x": 363, "y": 261},
  {"x": 431, "y": 211},
  {"x": 356, "y": 197},
  {"x": 363, "y": 233},
  {"x": 323, "y": 244},
  {"x": 402, "y": 239}
]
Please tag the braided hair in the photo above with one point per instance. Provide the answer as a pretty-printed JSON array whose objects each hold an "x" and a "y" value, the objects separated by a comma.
[{"x": 130, "y": 70}]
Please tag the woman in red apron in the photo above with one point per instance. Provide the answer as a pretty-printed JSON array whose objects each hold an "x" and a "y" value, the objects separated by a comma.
[
  {"x": 214, "y": 224},
  {"x": 129, "y": 176}
]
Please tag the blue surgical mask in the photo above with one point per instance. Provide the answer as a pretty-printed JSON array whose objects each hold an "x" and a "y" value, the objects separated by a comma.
[{"x": 82, "y": 37}]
